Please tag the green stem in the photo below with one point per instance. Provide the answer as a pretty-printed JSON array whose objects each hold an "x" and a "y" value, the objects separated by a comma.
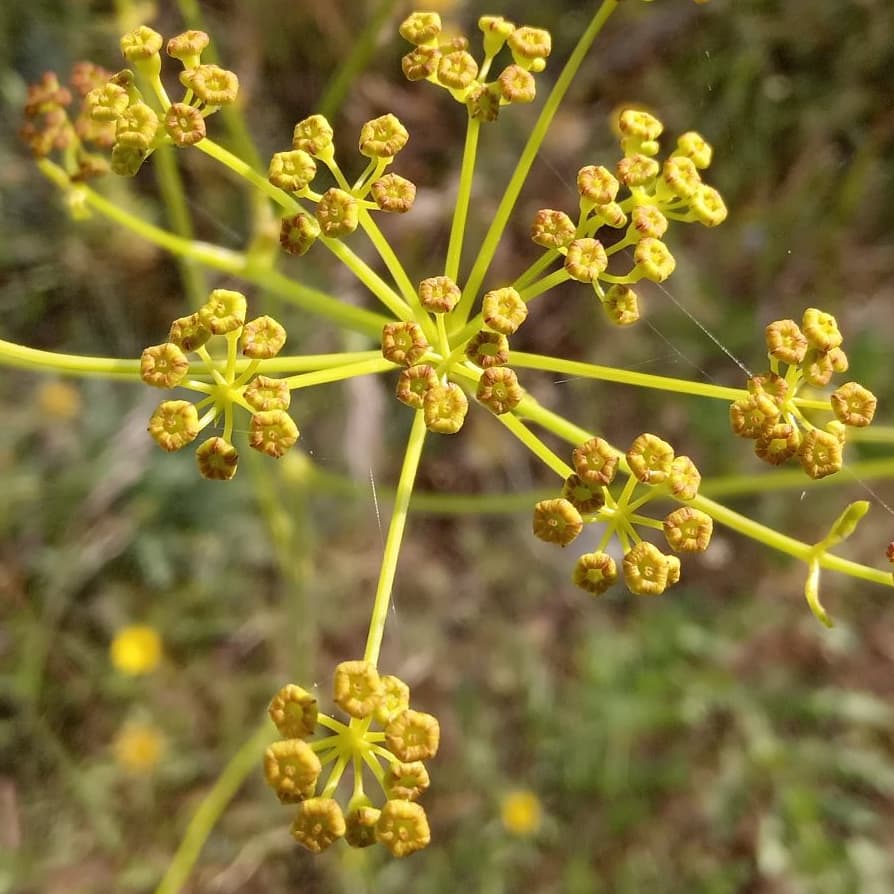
[
  {"x": 624, "y": 376},
  {"x": 535, "y": 445},
  {"x": 211, "y": 809},
  {"x": 461, "y": 209},
  {"x": 529, "y": 153},
  {"x": 556, "y": 278},
  {"x": 394, "y": 538},
  {"x": 67, "y": 364},
  {"x": 338, "y": 373},
  {"x": 535, "y": 269},
  {"x": 247, "y": 172}
]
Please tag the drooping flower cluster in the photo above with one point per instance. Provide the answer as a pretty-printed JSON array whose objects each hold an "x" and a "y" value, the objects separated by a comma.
[
  {"x": 225, "y": 384},
  {"x": 587, "y": 499},
  {"x": 658, "y": 194},
  {"x": 338, "y": 209},
  {"x": 384, "y": 737},
  {"x": 450, "y": 65},
  {"x": 775, "y": 413}
]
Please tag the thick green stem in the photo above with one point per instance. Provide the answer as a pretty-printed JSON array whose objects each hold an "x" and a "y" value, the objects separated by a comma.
[
  {"x": 338, "y": 373},
  {"x": 67, "y": 364},
  {"x": 212, "y": 807},
  {"x": 529, "y": 153},
  {"x": 394, "y": 538},
  {"x": 461, "y": 209}
]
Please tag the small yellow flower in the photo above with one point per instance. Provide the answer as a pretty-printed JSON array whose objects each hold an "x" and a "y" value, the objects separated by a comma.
[
  {"x": 521, "y": 812},
  {"x": 136, "y": 650},
  {"x": 139, "y": 747}
]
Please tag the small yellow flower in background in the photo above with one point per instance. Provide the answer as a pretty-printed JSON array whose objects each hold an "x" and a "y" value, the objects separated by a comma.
[
  {"x": 139, "y": 747},
  {"x": 136, "y": 649},
  {"x": 521, "y": 813},
  {"x": 59, "y": 400}
]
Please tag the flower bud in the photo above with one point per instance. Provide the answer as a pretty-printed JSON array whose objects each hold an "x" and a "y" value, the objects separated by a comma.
[
  {"x": 420, "y": 27},
  {"x": 650, "y": 459},
  {"x": 688, "y": 530},
  {"x": 820, "y": 454},
  {"x": 403, "y": 827},
  {"x": 585, "y": 498},
  {"x": 777, "y": 443},
  {"x": 597, "y": 184},
  {"x": 748, "y": 418},
  {"x": 291, "y": 171},
  {"x": 360, "y": 826},
  {"x": 503, "y": 310},
  {"x": 188, "y": 46},
  {"x": 653, "y": 259},
  {"x": 612, "y": 214},
  {"x": 853, "y": 404},
  {"x": 498, "y": 390},
  {"x": 163, "y": 366},
  {"x": 708, "y": 207},
  {"x": 393, "y": 193},
  {"x": 406, "y": 781},
  {"x": 404, "y": 343},
  {"x": 517, "y": 85},
  {"x": 298, "y": 233},
  {"x": 647, "y": 220},
  {"x": 595, "y": 462},
  {"x": 217, "y": 459},
  {"x": 137, "y": 127},
  {"x": 488, "y": 349},
  {"x": 413, "y": 383},
  {"x": 184, "y": 124},
  {"x": 786, "y": 341},
  {"x": 684, "y": 478},
  {"x": 126, "y": 161},
  {"x": 291, "y": 768},
  {"x": 439, "y": 294},
  {"x": 636, "y": 170},
  {"x": 294, "y": 712},
  {"x": 817, "y": 367},
  {"x": 838, "y": 359},
  {"x": 174, "y": 424},
  {"x": 586, "y": 260},
  {"x": 457, "y": 70},
  {"x": 821, "y": 329},
  {"x": 681, "y": 177},
  {"x": 272, "y": 432},
  {"x": 313, "y": 135},
  {"x": 262, "y": 338},
  {"x": 556, "y": 521},
  {"x": 483, "y": 102},
  {"x": 107, "y": 103},
  {"x": 496, "y": 30},
  {"x": 444, "y": 408},
  {"x": 693, "y": 146},
  {"x": 673, "y": 570},
  {"x": 420, "y": 63},
  {"x": 639, "y": 125},
  {"x": 394, "y": 699},
  {"x": 646, "y": 570},
  {"x": 383, "y": 137},
  {"x": 337, "y": 213},
  {"x": 595, "y": 572},
  {"x": 552, "y": 229},
  {"x": 264, "y": 394},
  {"x": 319, "y": 824},
  {"x": 620, "y": 305},
  {"x": 213, "y": 85},
  {"x": 141, "y": 43},
  {"x": 357, "y": 688},
  {"x": 413, "y": 736},
  {"x": 223, "y": 312},
  {"x": 529, "y": 44}
]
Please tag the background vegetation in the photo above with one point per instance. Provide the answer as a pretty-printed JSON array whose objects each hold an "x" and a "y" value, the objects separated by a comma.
[{"x": 715, "y": 740}]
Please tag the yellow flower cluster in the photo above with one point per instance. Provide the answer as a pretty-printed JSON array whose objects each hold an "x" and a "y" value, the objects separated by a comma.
[
  {"x": 176, "y": 423},
  {"x": 587, "y": 499},
  {"x": 773, "y": 416},
  {"x": 383, "y": 734}
]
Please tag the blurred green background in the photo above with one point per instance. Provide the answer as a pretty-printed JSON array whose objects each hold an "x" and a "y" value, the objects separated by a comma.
[{"x": 715, "y": 740}]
